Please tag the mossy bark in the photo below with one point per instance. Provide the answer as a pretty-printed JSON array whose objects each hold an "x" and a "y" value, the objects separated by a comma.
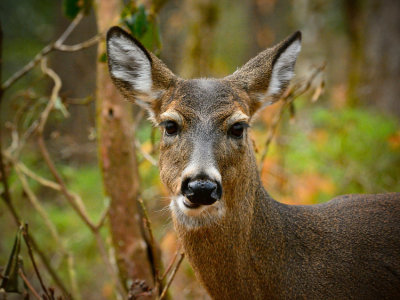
[{"x": 118, "y": 163}]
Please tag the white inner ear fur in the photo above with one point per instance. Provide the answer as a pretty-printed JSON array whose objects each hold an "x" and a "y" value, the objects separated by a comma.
[
  {"x": 130, "y": 64},
  {"x": 283, "y": 69}
]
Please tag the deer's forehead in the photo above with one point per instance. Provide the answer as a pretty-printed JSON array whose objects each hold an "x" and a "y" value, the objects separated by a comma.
[{"x": 205, "y": 99}]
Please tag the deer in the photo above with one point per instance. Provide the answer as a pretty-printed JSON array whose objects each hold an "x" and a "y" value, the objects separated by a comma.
[{"x": 241, "y": 243}]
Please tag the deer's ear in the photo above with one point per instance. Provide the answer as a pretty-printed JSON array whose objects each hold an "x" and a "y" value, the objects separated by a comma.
[
  {"x": 266, "y": 76},
  {"x": 139, "y": 75}
]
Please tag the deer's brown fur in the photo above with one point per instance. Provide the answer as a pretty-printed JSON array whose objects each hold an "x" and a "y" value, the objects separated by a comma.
[{"x": 247, "y": 245}]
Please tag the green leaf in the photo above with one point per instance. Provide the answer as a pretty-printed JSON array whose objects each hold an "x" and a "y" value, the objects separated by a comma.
[
  {"x": 142, "y": 26},
  {"x": 12, "y": 282},
  {"x": 138, "y": 22},
  {"x": 103, "y": 57},
  {"x": 152, "y": 39},
  {"x": 72, "y": 7}
]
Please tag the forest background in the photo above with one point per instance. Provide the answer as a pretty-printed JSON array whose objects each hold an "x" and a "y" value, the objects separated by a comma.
[{"x": 79, "y": 164}]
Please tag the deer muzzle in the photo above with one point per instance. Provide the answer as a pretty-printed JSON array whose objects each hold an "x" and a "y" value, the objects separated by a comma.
[{"x": 201, "y": 192}]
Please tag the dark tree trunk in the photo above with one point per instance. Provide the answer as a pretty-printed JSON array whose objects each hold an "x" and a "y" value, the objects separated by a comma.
[
  {"x": 354, "y": 23},
  {"x": 382, "y": 55}
]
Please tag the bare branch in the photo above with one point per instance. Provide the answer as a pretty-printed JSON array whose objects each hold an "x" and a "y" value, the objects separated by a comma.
[
  {"x": 42, "y": 212},
  {"x": 27, "y": 242},
  {"x": 48, "y": 266},
  {"x": 287, "y": 98},
  {"x": 54, "y": 94},
  {"x": 172, "y": 276},
  {"x": 29, "y": 285},
  {"x": 57, "y": 45},
  {"x": 35, "y": 246},
  {"x": 7, "y": 197},
  {"x": 146, "y": 155},
  {"x": 103, "y": 217},
  {"x": 19, "y": 142},
  {"x": 170, "y": 265},
  {"x": 43, "y": 181},
  {"x": 152, "y": 245},
  {"x": 39, "y": 208},
  {"x": 74, "y": 201},
  {"x": 69, "y": 29},
  {"x": 86, "y": 44},
  {"x": 29, "y": 66}
]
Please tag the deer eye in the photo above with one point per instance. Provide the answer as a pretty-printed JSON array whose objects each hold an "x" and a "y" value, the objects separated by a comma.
[
  {"x": 171, "y": 128},
  {"x": 237, "y": 129}
]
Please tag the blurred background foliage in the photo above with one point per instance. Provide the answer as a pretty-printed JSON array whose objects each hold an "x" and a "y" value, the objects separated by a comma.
[{"x": 346, "y": 142}]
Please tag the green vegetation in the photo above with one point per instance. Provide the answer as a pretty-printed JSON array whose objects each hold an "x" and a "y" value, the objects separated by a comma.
[{"x": 354, "y": 150}]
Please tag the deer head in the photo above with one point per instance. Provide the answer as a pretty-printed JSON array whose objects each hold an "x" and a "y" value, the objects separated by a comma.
[{"x": 206, "y": 156}]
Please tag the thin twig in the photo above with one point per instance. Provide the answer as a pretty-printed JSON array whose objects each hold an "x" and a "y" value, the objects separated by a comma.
[
  {"x": 21, "y": 167},
  {"x": 43, "y": 181},
  {"x": 170, "y": 265},
  {"x": 102, "y": 219},
  {"x": 86, "y": 44},
  {"x": 57, "y": 45},
  {"x": 42, "y": 256},
  {"x": 288, "y": 97},
  {"x": 42, "y": 212},
  {"x": 7, "y": 197},
  {"x": 48, "y": 266},
  {"x": 28, "y": 245},
  {"x": 69, "y": 29},
  {"x": 22, "y": 140},
  {"x": 39, "y": 208},
  {"x": 74, "y": 201},
  {"x": 146, "y": 155},
  {"x": 172, "y": 276},
  {"x": 272, "y": 130},
  {"x": 152, "y": 245},
  {"x": 54, "y": 94},
  {"x": 29, "y": 66},
  {"x": 29, "y": 285}
]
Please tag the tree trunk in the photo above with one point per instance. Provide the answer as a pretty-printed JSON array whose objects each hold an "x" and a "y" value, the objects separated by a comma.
[
  {"x": 354, "y": 24},
  {"x": 118, "y": 163},
  {"x": 382, "y": 57}
]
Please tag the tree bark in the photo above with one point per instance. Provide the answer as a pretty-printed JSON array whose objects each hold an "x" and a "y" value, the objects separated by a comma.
[
  {"x": 381, "y": 68},
  {"x": 118, "y": 163},
  {"x": 354, "y": 24}
]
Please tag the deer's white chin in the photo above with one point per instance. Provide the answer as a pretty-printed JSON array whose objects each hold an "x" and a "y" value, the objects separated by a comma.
[{"x": 199, "y": 216}]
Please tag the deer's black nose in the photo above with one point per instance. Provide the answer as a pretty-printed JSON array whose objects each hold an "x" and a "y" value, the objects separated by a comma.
[{"x": 201, "y": 191}]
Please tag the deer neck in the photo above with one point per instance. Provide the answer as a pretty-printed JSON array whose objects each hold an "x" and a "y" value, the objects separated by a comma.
[{"x": 223, "y": 255}]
